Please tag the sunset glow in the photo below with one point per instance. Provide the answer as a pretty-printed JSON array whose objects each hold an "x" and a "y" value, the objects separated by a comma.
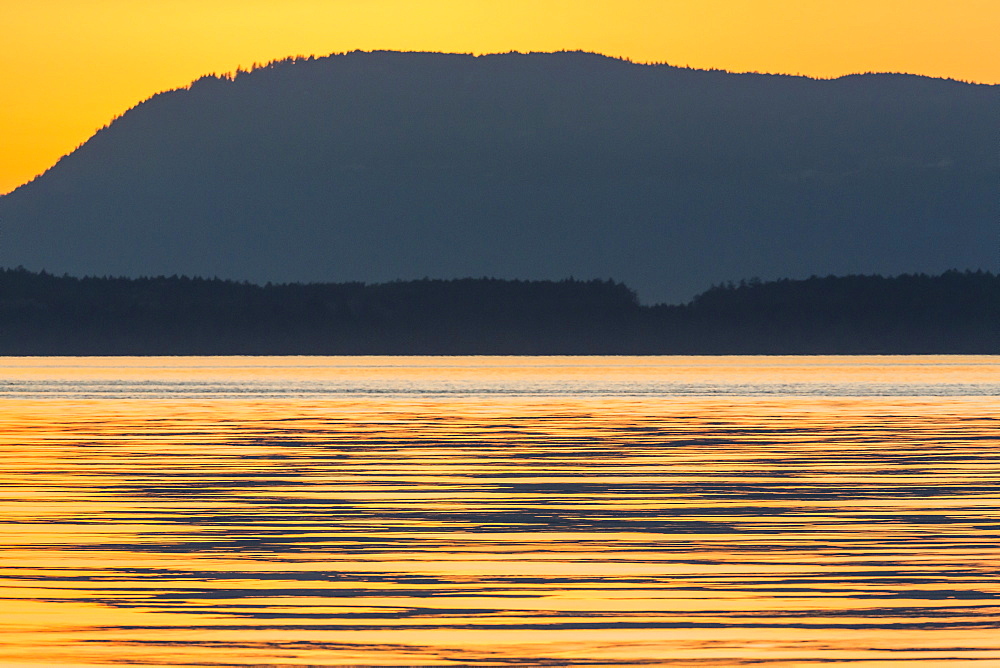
[{"x": 70, "y": 67}]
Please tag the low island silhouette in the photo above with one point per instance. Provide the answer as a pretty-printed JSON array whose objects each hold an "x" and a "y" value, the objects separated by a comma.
[{"x": 44, "y": 314}]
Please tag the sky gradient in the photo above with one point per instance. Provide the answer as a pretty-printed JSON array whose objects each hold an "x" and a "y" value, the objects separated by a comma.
[{"x": 68, "y": 67}]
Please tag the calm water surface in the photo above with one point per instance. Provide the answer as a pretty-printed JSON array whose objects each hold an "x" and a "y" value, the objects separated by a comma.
[{"x": 682, "y": 511}]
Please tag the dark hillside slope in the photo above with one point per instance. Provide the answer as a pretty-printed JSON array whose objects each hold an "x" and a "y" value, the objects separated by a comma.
[
  {"x": 954, "y": 312},
  {"x": 378, "y": 166},
  {"x": 42, "y": 314}
]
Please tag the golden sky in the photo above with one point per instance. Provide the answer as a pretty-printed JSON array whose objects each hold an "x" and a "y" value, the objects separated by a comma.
[{"x": 67, "y": 67}]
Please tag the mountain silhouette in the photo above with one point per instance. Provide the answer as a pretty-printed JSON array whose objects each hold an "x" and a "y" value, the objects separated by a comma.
[{"x": 381, "y": 166}]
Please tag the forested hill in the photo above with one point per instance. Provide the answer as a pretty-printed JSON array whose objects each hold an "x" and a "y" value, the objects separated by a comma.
[
  {"x": 42, "y": 314},
  {"x": 381, "y": 166}
]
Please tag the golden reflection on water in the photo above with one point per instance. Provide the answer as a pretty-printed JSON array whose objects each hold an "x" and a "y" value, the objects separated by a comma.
[{"x": 499, "y": 511}]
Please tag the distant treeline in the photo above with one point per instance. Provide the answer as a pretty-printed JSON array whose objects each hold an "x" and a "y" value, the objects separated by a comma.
[{"x": 43, "y": 314}]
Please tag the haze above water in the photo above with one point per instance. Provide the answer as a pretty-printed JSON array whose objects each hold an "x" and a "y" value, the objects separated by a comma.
[{"x": 499, "y": 511}]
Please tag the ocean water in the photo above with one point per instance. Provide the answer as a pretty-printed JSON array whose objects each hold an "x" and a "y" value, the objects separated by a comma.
[{"x": 424, "y": 511}]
